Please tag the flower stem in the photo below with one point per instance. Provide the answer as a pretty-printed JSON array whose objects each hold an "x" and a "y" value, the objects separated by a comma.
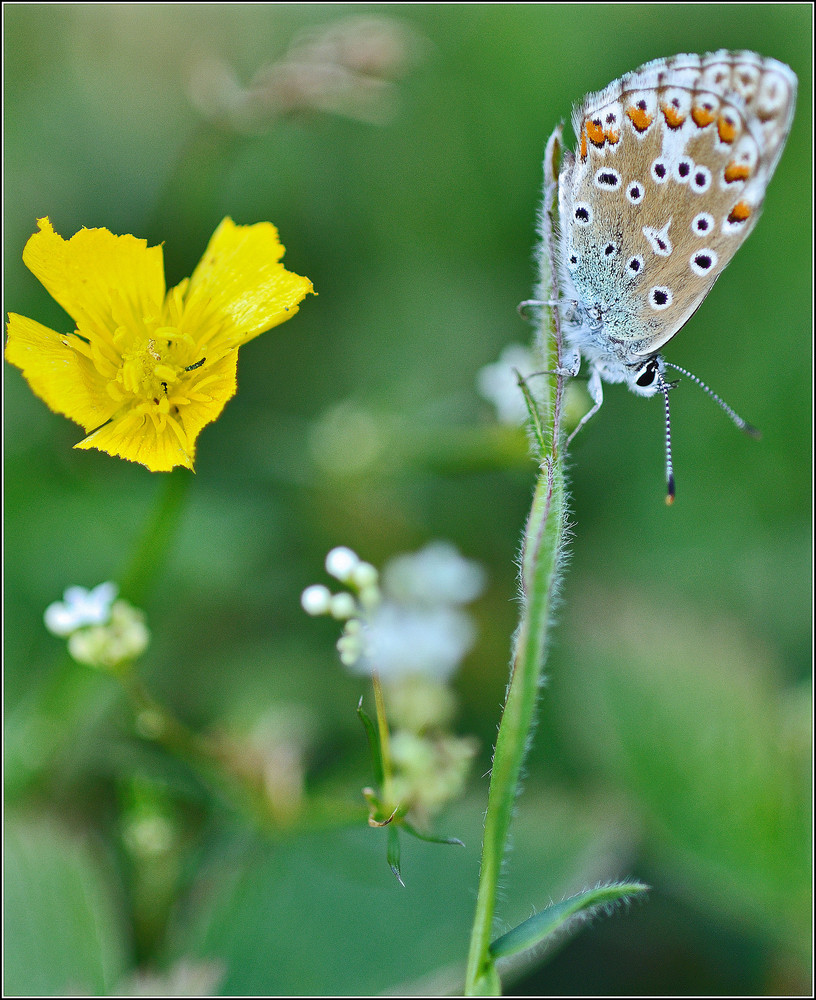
[
  {"x": 385, "y": 743},
  {"x": 541, "y": 559},
  {"x": 155, "y": 541},
  {"x": 202, "y": 754}
]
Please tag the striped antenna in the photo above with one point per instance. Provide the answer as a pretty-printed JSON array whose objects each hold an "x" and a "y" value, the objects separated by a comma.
[
  {"x": 664, "y": 388},
  {"x": 742, "y": 424}
]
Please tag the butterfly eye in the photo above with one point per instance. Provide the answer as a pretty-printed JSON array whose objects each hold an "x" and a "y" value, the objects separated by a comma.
[{"x": 647, "y": 374}]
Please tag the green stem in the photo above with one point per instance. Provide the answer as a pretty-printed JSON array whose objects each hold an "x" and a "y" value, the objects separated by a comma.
[
  {"x": 202, "y": 755},
  {"x": 541, "y": 559},
  {"x": 154, "y": 544},
  {"x": 385, "y": 743},
  {"x": 157, "y": 723}
]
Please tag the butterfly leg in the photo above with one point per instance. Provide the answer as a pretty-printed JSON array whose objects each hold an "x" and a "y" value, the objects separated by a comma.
[{"x": 596, "y": 392}]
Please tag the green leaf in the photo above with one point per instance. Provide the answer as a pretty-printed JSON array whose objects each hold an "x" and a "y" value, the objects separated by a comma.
[
  {"x": 393, "y": 852},
  {"x": 62, "y": 932},
  {"x": 542, "y": 925},
  {"x": 532, "y": 409},
  {"x": 373, "y": 744},
  {"x": 429, "y": 837},
  {"x": 252, "y": 906}
]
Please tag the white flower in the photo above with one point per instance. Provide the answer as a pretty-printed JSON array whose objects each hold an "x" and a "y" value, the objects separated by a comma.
[
  {"x": 80, "y": 608},
  {"x": 413, "y": 625},
  {"x": 342, "y": 606},
  {"x": 120, "y": 640},
  {"x": 437, "y": 574},
  {"x": 400, "y": 640},
  {"x": 497, "y": 383}
]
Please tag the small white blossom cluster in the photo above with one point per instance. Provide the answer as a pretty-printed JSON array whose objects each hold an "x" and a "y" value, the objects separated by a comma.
[
  {"x": 355, "y": 607},
  {"x": 413, "y": 632},
  {"x": 414, "y": 623},
  {"x": 101, "y": 631}
]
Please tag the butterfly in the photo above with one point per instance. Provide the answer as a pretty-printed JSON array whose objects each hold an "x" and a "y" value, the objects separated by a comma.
[{"x": 667, "y": 181}]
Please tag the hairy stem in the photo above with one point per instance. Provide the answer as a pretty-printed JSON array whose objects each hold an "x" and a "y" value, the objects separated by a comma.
[{"x": 540, "y": 563}]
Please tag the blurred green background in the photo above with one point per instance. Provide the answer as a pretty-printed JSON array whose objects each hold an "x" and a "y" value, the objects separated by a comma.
[{"x": 674, "y": 735}]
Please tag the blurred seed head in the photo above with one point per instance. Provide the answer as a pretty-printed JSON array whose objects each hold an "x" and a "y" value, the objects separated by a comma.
[
  {"x": 269, "y": 753},
  {"x": 349, "y": 68}
]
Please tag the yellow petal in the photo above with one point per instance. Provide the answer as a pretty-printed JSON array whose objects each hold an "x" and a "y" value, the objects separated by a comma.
[
  {"x": 133, "y": 436},
  {"x": 209, "y": 394},
  {"x": 81, "y": 274},
  {"x": 161, "y": 444},
  {"x": 65, "y": 380},
  {"x": 241, "y": 280}
]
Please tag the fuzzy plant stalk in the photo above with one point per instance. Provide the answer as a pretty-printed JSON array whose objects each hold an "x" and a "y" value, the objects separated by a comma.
[{"x": 541, "y": 562}]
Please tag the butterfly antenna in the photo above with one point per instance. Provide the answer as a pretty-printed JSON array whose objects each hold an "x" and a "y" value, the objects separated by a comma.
[
  {"x": 664, "y": 388},
  {"x": 742, "y": 424}
]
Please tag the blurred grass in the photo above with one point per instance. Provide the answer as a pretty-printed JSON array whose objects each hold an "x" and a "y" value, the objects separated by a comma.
[{"x": 418, "y": 235}]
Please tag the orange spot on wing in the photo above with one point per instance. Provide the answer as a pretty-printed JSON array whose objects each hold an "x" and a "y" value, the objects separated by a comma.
[
  {"x": 583, "y": 144},
  {"x": 595, "y": 132},
  {"x": 639, "y": 118},
  {"x": 736, "y": 172},
  {"x": 726, "y": 129},
  {"x": 702, "y": 116},
  {"x": 611, "y": 137},
  {"x": 673, "y": 117},
  {"x": 740, "y": 212}
]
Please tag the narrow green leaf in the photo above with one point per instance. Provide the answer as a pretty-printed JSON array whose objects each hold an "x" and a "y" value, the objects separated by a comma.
[
  {"x": 532, "y": 409},
  {"x": 393, "y": 853},
  {"x": 540, "y": 926},
  {"x": 429, "y": 837},
  {"x": 373, "y": 744}
]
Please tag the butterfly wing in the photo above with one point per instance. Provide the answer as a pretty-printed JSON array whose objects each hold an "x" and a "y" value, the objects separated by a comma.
[{"x": 669, "y": 177}]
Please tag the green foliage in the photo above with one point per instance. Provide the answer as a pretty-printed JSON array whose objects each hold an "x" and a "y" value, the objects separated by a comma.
[
  {"x": 689, "y": 721},
  {"x": 63, "y": 925},
  {"x": 264, "y": 910}
]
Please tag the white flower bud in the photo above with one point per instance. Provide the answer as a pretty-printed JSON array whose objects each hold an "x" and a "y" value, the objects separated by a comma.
[
  {"x": 349, "y": 650},
  {"x": 316, "y": 600},
  {"x": 364, "y": 576},
  {"x": 342, "y": 606},
  {"x": 370, "y": 597},
  {"x": 341, "y": 562}
]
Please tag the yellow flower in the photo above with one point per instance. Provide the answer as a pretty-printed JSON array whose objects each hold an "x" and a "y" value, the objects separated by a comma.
[{"x": 145, "y": 371}]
